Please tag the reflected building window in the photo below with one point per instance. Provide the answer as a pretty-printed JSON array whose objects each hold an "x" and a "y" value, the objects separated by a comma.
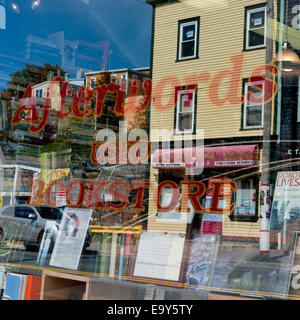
[{"x": 2, "y": 17}]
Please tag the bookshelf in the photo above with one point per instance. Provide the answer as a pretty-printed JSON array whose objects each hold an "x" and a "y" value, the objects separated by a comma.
[{"x": 116, "y": 250}]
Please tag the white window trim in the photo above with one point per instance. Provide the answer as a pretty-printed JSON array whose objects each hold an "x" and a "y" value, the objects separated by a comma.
[
  {"x": 248, "y": 27},
  {"x": 247, "y": 85},
  {"x": 179, "y": 93},
  {"x": 183, "y": 24}
]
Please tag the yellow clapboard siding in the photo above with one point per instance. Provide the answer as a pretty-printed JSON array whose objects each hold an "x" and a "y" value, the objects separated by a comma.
[
  {"x": 241, "y": 229},
  {"x": 221, "y": 36}
]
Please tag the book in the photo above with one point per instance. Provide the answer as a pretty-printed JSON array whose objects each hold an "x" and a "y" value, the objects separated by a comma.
[
  {"x": 15, "y": 287},
  {"x": 2, "y": 283},
  {"x": 119, "y": 240},
  {"x": 98, "y": 255},
  {"x": 159, "y": 256},
  {"x": 127, "y": 251},
  {"x": 113, "y": 255},
  {"x": 200, "y": 262},
  {"x": 121, "y": 255},
  {"x": 2, "y": 279},
  {"x": 135, "y": 243},
  {"x": 33, "y": 288},
  {"x": 103, "y": 254},
  {"x": 107, "y": 253}
]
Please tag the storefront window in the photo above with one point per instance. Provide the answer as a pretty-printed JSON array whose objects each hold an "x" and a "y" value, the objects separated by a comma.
[{"x": 149, "y": 150}]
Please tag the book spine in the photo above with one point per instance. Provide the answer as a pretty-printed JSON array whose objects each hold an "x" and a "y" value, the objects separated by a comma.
[
  {"x": 135, "y": 242},
  {"x": 28, "y": 287},
  {"x": 108, "y": 253},
  {"x": 103, "y": 254},
  {"x": 113, "y": 253},
  {"x": 98, "y": 255},
  {"x": 23, "y": 287},
  {"x": 127, "y": 251},
  {"x": 121, "y": 255},
  {"x": 118, "y": 254}
]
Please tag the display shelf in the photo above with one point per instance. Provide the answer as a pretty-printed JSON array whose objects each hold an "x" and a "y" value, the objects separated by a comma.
[
  {"x": 214, "y": 296},
  {"x": 116, "y": 229},
  {"x": 64, "y": 286}
]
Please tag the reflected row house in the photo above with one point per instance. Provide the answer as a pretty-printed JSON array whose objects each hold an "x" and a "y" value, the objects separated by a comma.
[
  {"x": 211, "y": 83},
  {"x": 62, "y": 147}
]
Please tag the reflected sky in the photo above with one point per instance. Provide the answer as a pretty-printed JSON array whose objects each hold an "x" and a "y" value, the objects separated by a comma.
[{"x": 124, "y": 24}]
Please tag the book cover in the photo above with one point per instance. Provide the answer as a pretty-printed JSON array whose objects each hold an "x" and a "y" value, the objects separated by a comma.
[
  {"x": 14, "y": 288},
  {"x": 127, "y": 251},
  {"x": 33, "y": 288},
  {"x": 113, "y": 253},
  {"x": 200, "y": 262},
  {"x": 121, "y": 255}
]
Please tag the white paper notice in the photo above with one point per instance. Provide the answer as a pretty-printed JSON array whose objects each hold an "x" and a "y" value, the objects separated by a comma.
[
  {"x": 70, "y": 239},
  {"x": 159, "y": 255}
]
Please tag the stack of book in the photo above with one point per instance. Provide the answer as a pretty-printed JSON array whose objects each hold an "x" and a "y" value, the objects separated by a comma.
[
  {"x": 21, "y": 286},
  {"x": 117, "y": 249}
]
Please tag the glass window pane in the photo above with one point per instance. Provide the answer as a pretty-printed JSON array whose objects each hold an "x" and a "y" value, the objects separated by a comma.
[
  {"x": 50, "y": 213},
  {"x": 256, "y": 38},
  {"x": 188, "y": 49},
  {"x": 186, "y": 101},
  {"x": 185, "y": 121},
  {"x": 23, "y": 212},
  {"x": 255, "y": 94},
  {"x": 253, "y": 116},
  {"x": 257, "y": 19},
  {"x": 188, "y": 32},
  {"x": 8, "y": 212}
]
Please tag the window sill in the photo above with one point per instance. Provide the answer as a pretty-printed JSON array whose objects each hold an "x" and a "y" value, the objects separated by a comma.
[
  {"x": 182, "y": 133},
  {"x": 255, "y": 128},
  {"x": 253, "y": 49},
  {"x": 188, "y": 59}
]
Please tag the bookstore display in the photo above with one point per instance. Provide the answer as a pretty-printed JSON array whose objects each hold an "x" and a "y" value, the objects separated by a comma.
[
  {"x": 76, "y": 259},
  {"x": 136, "y": 162}
]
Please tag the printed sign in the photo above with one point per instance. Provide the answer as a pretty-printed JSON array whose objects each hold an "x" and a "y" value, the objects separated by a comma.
[
  {"x": 212, "y": 223},
  {"x": 70, "y": 239},
  {"x": 245, "y": 202},
  {"x": 159, "y": 255},
  {"x": 61, "y": 197}
]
